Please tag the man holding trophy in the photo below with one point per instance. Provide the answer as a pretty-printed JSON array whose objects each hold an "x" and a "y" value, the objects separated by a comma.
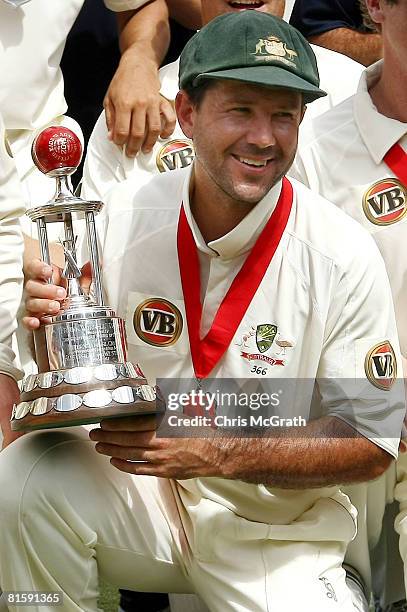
[{"x": 194, "y": 262}]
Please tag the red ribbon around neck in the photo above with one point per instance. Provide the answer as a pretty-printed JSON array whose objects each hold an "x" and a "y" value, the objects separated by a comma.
[
  {"x": 207, "y": 352},
  {"x": 396, "y": 160}
]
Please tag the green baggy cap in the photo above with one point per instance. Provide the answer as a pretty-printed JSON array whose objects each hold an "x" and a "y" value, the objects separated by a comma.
[{"x": 253, "y": 47}]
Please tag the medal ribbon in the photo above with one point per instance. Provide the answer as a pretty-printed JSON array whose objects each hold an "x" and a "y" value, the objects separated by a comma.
[
  {"x": 396, "y": 160},
  {"x": 207, "y": 352}
]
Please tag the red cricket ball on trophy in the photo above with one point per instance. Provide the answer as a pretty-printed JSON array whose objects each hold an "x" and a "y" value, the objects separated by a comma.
[{"x": 57, "y": 148}]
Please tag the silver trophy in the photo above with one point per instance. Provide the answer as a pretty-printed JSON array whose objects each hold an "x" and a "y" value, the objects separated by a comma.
[{"x": 84, "y": 375}]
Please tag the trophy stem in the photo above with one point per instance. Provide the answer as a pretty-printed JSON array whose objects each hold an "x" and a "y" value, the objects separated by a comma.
[
  {"x": 43, "y": 238},
  {"x": 69, "y": 234},
  {"x": 63, "y": 190},
  {"x": 94, "y": 257}
]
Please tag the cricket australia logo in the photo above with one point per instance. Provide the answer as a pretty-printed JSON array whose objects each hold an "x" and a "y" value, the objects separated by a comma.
[
  {"x": 385, "y": 202},
  {"x": 274, "y": 49},
  {"x": 265, "y": 335},
  {"x": 381, "y": 366},
  {"x": 264, "y": 344}
]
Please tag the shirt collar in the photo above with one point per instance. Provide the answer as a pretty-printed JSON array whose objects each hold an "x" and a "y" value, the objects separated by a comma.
[
  {"x": 378, "y": 132},
  {"x": 241, "y": 238}
]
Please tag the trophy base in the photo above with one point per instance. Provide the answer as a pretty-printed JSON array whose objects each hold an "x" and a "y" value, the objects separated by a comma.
[
  {"x": 85, "y": 416},
  {"x": 79, "y": 396}
]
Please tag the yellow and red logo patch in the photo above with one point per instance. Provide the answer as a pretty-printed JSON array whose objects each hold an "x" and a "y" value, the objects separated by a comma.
[
  {"x": 175, "y": 154},
  {"x": 385, "y": 202},
  {"x": 158, "y": 322},
  {"x": 381, "y": 366}
]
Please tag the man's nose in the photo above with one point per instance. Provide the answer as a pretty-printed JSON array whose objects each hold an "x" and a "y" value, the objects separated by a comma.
[{"x": 260, "y": 131}]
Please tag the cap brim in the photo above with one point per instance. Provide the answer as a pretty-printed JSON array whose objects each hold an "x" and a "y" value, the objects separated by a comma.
[{"x": 268, "y": 76}]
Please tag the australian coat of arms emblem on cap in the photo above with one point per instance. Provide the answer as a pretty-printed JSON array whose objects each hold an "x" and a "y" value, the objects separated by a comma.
[{"x": 275, "y": 49}]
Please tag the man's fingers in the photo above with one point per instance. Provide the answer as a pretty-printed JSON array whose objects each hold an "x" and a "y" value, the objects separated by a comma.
[
  {"x": 139, "y": 439},
  {"x": 140, "y": 469},
  {"x": 134, "y": 423},
  {"x": 38, "y": 269},
  {"x": 137, "y": 130},
  {"x": 39, "y": 307},
  {"x": 122, "y": 124},
  {"x": 37, "y": 289},
  {"x": 31, "y": 323},
  {"x": 126, "y": 453},
  {"x": 42, "y": 299},
  {"x": 153, "y": 128},
  {"x": 168, "y": 118},
  {"x": 109, "y": 115}
]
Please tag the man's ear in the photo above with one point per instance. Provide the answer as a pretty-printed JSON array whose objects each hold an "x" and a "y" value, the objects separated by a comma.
[
  {"x": 303, "y": 111},
  {"x": 375, "y": 11},
  {"x": 185, "y": 113}
]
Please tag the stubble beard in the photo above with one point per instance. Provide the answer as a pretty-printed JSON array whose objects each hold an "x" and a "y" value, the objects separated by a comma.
[{"x": 235, "y": 197}]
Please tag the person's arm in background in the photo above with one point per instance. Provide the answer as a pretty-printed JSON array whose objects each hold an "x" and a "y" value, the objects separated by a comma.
[
  {"x": 11, "y": 283},
  {"x": 363, "y": 47},
  {"x": 186, "y": 12},
  {"x": 136, "y": 114},
  {"x": 338, "y": 25}
]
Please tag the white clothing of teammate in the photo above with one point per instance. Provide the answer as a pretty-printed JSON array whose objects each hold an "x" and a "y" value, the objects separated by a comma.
[
  {"x": 32, "y": 40},
  {"x": 341, "y": 156}
]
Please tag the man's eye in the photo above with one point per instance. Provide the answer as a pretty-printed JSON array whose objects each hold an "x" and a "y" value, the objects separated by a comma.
[
  {"x": 240, "y": 109},
  {"x": 285, "y": 115}
]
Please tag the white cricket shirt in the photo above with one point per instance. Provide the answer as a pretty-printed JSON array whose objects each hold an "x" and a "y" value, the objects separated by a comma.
[
  {"x": 322, "y": 299},
  {"x": 341, "y": 157}
]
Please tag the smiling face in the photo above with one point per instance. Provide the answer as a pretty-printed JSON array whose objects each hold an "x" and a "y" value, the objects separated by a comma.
[
  {"x": 214, "y": 8},
  {"x": 245, "y": 138}
]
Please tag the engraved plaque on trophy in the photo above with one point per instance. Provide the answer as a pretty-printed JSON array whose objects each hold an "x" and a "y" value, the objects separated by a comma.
[{"x": 84, "y": 375}]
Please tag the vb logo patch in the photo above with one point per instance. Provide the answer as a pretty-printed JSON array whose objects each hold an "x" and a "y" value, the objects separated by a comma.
[
  {"x": 175, "y": 154},
  {"x": 385, "y": 202},
  {"x": 158, "y": 322},
  {"x": 381, "y": 366}
]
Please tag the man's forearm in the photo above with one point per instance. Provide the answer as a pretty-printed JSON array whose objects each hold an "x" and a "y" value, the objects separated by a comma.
[
  {"x": 326, "y": 452},
  {"x": 145, "y": 33},
  {"x": 364, "y": 48},
  {"x": 186, "y": 12}
]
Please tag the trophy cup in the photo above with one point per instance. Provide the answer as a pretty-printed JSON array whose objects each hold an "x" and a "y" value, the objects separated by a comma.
[{"x": 81, "y": 353}]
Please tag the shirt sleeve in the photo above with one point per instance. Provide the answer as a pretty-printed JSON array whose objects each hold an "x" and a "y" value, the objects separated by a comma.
[
  {"x": 360, "y": 374},
  {"x": 11, "y": 257},
  {"x": 313, "y": 17},
  {"x": 125, "y": 5},
  {"x": 104, "y": 163}
]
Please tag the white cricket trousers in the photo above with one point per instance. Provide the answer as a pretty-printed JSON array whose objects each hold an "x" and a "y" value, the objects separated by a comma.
[{"x": 68, "y": 517}]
